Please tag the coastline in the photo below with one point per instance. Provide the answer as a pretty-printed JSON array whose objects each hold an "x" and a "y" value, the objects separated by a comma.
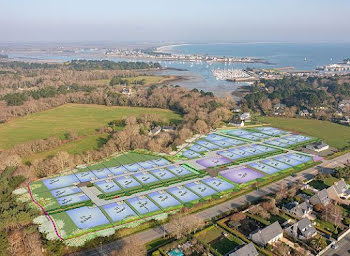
[{"x": 168, "y": 48}]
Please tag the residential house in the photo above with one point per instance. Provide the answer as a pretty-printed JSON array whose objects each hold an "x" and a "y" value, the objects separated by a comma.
[
  {"x": 344, "y": 104},
  {"x": 339, "y": 190},
  {"x": 318, "y": 146},
  {"x": 155, "y": 131},
  {"x": 168, "y": 128},
  {"x": 127, "y": 91},
  {"x": 304, "y": 113},
  {"x": 303, "y": 229},
  {"x": 237, "y": 123},
  {"x": 300, "y": 210},
  {"x": 321, "y": 197},
  {"x": 345, "y": 120},
  {"x": 267, "y": 235},
  {"x": 246, "y": 117},
  {"x": 279, "y": 109},
  {"x": 245, "y": 250}
]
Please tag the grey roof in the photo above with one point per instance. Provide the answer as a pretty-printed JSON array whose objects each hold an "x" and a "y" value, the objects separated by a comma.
[
  {"x": 318, "y": 145},
  {"x": 246, "y": 250},
  {"x": 266, "y": 234},
  {"x": 340, "y": 186},
  {"x": 303, "y": 228},
  {"x": 299, "y": 209},
  {"x": 321, "y": 197}
]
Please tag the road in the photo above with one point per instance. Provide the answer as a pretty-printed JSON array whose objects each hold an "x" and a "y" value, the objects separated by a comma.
[
  {"x": 155, "y": 233},
  {"x": 342, "y": 250}
]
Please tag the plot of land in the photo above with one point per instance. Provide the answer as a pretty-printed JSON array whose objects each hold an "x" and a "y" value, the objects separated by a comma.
[
  {"x": 333, "y": 134},
  {"x": 84, "y": 119}
]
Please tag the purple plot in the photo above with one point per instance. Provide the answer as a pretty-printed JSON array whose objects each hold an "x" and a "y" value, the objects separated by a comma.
[
  {"x": 119, "y": 211},
  {"x": 146, "y": 178},
  {"x": 102, "y": 173},
  {"x": 62, "y": 181},
  {"x": 85, "y": 176},
  {"x": 241, "y": 175},
  {"x": 118, "y": 170},
  {"x": 143, "y": 205},
  {"x": 72, "y": 199},
  {"x": 108, "y": 186},
  {"x": 163, "y": 199},
  {"x": 190, "y": 154},
  {"x": 213, "y": 161},
  {"x": 85, "y": 217},
  {"x": 183, "y": 194},
  {"x": 65, "y": 191}
]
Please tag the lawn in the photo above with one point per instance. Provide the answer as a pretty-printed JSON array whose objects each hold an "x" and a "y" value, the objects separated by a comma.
[
  {"x": 148, "y": 80},
  {"x": 83, "y": 119},
  {"x": 335, "y": 135}
]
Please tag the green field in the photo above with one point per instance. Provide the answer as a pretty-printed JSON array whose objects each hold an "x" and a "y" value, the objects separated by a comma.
[
  {"x": 83, "y": 119},
  {"x": 335, "y": 135}
]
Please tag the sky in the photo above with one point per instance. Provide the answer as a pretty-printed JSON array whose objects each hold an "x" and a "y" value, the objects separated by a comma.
[{"x": 176, "y": 20}]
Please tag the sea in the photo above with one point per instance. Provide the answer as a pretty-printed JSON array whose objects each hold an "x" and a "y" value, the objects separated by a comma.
[{"x": 300, "y": 56}]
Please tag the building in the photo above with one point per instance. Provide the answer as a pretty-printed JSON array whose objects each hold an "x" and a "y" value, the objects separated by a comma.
[
  {"x": 304, "y": 113},
  {"x": 279, "y": 109},
  {"x": 339, "y": 190},
  {"x": 168, "y": 128},
  {"x": 127, "y": 91},
  {"x": 345, "y": 120},
  {"x": 155, "y": 131},
  {"x": 237, "y": 123},
  {"x": 318, "y": 146},
  {"x": 245, "y": 250},
  {"x": 302, "y": 230},
  {"x": 246, "y": 117},
  {"x": 321, "y": 197},
  {"x": 344, "y": 104},
  {"x": 300, "y": 210},
  {"x": 267, "y": 235}
]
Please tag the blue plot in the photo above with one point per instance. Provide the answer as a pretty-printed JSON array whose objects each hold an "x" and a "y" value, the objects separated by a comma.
[
  {"x": 118, "y": 170},
  {"x": 163, "y": 199},
  {"x": 240, "y": 152},
  {"x": 145, "y": 178},
  {"x": 108, "y": 186},
  {"x": 276, "y": 164},
  {"x": 270, "y": 131},
  {"x": 222, "y": 143},
  {"x": 86, "y": 217},
  {"x": 147, "y": 165},
  {"x": 201, "y": 189},
  {"x": 190, "y": 154},
  {"x": 133, "y": 167},
  {"x": 161, "y": 162},
  {"x": 119, "y": 211},
  {"x": 102, "y": 173},
  {"x": 249, "y": 137},
  {"x": 218, "y": 184},
  {"x": 261, "y": 135},
  {"x": 262, "y": 148},
  {"x": 252, "y": 150},
  {"x": 85, "y": 176},
  {"x": 301, "y": 158},
  {"x": 163, "y": 174},
  {"x": 229, "y": 155},
  {"x": 235, "y": 141},
  {"x": 214, "y": 137},
  {"x": 143, "y": 205},
  {"x": 198, "y": 148},
  {"x": 287, "y": 160},
  {"x": 207, "y": 144},
  {"x": 65, "y": 191},
  {"x": 127, "y": 182},
  {"x": 264, "y": 168},
  {"x": 72, "y": 199},
  {"x": 237, "y": 132},
  {"x": 60, "y": 182},
  {"x": 183, "y": 194},
  {"x": 179, "y": 170},
  {"x": 287, "y": 141},
  {"x": 277, "y": 143}
]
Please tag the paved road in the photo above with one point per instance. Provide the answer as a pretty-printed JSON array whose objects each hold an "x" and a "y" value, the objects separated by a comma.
[
  {"x": 152, "y": 234},
  {"x": 343, "y": 248}
]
